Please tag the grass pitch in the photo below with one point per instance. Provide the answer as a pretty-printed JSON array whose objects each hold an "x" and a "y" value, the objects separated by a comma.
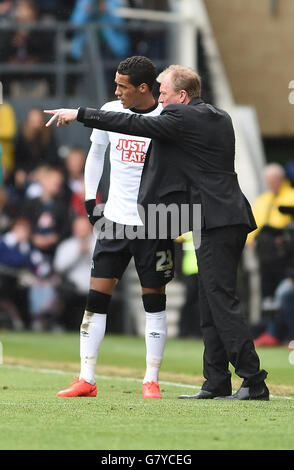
[{"x": 36, "y": 366}]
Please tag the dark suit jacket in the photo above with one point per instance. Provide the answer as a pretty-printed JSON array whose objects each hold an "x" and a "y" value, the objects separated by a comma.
[{"x": 190, "y": 159}]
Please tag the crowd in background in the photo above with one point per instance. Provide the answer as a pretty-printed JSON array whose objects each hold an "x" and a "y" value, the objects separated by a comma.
[
  {"x": 42, "y": 215},
  {"x": 273, "y": 242},
  {"x": 25, "y": 45}
]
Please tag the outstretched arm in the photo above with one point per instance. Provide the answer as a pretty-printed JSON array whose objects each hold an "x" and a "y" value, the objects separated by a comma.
[{"x": 166, "y": 126}]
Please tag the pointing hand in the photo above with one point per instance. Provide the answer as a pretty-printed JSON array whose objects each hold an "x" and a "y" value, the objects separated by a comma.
[{"x": 62, "y": 116}]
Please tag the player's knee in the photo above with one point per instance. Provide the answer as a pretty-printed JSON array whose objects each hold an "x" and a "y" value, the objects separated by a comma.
[
  {"x": 154, "y": 302},
  {"x": 97, "y": 302}
]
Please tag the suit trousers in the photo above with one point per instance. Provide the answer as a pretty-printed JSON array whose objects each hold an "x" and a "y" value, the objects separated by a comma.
[{"x": 226, "y": 334}]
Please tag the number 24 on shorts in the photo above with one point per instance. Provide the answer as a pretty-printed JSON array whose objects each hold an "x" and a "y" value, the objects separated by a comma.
[{"x": 164, "y": 260}]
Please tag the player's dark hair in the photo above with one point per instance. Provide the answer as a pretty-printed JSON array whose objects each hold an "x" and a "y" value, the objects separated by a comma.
[{"x": 140, "y": 70}]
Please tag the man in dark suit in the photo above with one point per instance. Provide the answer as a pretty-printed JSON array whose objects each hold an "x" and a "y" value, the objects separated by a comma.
[{"x": 191, "y": 160}]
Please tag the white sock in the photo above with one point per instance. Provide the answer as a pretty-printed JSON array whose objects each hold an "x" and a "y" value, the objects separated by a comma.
[
  {"x": 155, "y": 339},
  {"x": 92, "y": 332}
]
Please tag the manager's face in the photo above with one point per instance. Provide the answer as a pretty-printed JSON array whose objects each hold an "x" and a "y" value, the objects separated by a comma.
[{"x": 168, "y": 95}]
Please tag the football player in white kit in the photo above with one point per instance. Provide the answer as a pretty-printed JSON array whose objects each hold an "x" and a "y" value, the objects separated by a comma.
[{"x": 153, "y": 259}]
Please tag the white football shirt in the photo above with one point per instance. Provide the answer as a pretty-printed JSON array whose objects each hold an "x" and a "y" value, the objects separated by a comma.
[{"x": 127, "y": 155}]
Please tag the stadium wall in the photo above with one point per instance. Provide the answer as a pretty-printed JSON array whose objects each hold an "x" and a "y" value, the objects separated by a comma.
[{"x": 255, "y": 40}]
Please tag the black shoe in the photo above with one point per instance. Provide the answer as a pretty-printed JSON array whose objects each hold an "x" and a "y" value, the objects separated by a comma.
[
  {"x": 249, "y": 393},
  {"x": 202, "y": 395}
]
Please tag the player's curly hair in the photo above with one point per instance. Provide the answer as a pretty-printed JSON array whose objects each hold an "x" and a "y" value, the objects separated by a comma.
[{"x": 140, "y": 70}]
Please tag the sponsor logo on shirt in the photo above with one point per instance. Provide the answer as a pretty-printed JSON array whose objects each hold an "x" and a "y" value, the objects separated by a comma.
[{"x": 132, "y": 151}]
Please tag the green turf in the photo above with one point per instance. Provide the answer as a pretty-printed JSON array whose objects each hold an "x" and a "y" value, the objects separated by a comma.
[
  {"x": 32, "y": 417},
  {"x": 181, "y": 356}
]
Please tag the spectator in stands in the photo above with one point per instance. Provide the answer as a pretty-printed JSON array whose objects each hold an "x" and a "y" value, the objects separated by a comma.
[
  {"x": 48, "y": 213},
  {"x": 6, "y": 10},
  {"x": 84, "y": 12},
  {"x": 150, "y": 43},
  {"x": 72, "y": 260},
  {"x": 1, "y": 168},
  {"x": 16, "y": 256},
  {"x": 8, "y": 129},
  {"x": 55, "y": 9},
  {"x": 43, "y": 303},
  {"x": 74, "y": 165},
  {"x": 15, "y": 253},
  {"x": 114, "y": 42},
  {"x": 24, "y": 188},
  {"x": 285, "y": 295},
  {"x": 267, "y": 239},
  {"x": 7, "y": 210},
  {"x": 34, "y": 146},
  {"x": 26, "y": 46},
  {"x": 279, "y": 328},
  {"x": 15, "y": 248},
  {"x": 289, "y": 171},
  {"x": 50, "y": 219}
]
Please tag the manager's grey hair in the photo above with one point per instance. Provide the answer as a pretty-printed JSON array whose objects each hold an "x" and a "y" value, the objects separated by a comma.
[{"x": 183, "y": 78}]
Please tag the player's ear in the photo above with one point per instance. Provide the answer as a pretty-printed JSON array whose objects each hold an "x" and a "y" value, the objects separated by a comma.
[{"x": 144, "y": 88}]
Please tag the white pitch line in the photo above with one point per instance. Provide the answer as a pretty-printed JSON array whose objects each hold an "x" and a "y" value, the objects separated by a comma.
[{"x": 107, "y": 377}]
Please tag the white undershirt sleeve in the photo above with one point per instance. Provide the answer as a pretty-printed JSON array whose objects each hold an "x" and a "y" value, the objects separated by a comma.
[{"x": 94, "y": 169}]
